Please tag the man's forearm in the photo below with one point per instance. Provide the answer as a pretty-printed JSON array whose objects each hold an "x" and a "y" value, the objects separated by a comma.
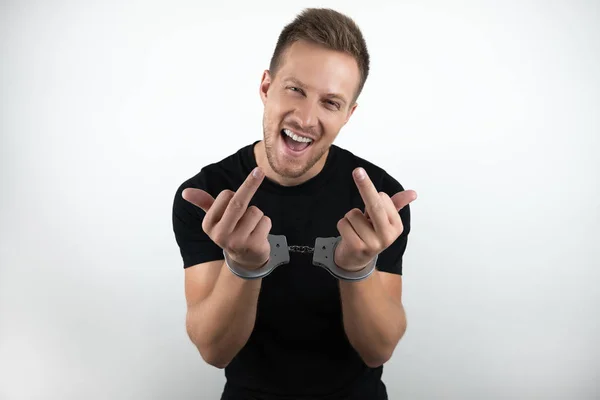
[
  {"x": 373, "y": 321},
  {"x": 221, "y": 324}
]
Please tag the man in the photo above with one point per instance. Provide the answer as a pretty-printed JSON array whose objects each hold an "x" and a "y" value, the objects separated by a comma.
[{"x": 296, "y": 327}]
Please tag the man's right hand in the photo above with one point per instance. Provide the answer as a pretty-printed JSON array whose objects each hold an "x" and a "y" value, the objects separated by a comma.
[{"x": 239, "y": 230}]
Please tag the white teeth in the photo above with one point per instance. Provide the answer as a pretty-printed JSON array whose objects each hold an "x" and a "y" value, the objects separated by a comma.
[{"x": 296, "y": 137}]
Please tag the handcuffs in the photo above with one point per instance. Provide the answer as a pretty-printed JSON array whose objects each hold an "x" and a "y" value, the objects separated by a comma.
[{"x": 323, "y": 257}]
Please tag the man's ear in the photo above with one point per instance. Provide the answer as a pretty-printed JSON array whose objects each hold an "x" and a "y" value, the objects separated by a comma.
[
  {"x": 350, "y": 112},
  {"x": 265, "y": 84}
]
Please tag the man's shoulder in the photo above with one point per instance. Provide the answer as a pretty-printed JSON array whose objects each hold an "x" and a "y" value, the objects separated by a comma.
[
  {"x": 377, "y": 173},
  {"x": 229, "y": 165},
  {"x": 223, "y": 173}
]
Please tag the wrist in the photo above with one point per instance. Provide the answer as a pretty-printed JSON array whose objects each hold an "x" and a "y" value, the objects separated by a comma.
[
  {"x": 247, "y": 266},
  {"x": 326, "y": 256},
  {"x": 278, "y": 256}
]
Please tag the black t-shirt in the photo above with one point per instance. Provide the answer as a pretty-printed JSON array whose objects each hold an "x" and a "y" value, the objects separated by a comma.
[{"x": 298, "y": 348}]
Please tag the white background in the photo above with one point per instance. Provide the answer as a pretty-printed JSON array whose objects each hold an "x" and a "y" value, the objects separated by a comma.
[{"x": 489, "y": 110}]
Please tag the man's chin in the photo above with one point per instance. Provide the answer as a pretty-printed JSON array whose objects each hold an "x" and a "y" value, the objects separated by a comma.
[{"x": 289, "y": 172}]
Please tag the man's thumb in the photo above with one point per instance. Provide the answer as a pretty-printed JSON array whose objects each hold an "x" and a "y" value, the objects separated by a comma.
[
  {"x": 199, "y": 198},
  {"x": 402, "y": 199}
]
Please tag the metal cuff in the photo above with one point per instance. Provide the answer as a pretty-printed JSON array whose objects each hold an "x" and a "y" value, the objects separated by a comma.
[
  {"x": 279, "y": 256},
  {"x": 324, "y": 257}
]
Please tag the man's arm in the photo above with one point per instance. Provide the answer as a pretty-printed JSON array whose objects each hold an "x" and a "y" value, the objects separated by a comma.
[
  {"x": 373, "y": 314},
  {"x": 221, "y": 310},
  {"x": 221, "y": 307}
]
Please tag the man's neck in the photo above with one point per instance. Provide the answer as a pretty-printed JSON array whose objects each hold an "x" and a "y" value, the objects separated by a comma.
[{"x": 262, "y": 161}]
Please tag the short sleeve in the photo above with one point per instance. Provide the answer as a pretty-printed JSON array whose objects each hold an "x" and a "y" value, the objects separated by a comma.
[
  {"x": 390, "y": 260},
  {"x": 195, "y": 246}
]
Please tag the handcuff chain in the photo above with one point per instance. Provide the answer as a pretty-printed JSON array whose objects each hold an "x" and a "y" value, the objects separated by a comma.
[{"x": 301, "y": 249}]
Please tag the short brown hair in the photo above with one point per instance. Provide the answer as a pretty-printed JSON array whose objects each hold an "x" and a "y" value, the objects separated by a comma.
[{"x": 328, "y": 28}]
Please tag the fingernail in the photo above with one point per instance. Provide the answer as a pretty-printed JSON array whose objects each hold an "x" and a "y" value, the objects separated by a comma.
[
  {"x": 257, "y": 173},
  {"x": 360, "y": 173}
]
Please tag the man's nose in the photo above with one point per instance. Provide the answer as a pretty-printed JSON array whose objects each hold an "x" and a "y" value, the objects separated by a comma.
[{"x": 306, "y": 113}]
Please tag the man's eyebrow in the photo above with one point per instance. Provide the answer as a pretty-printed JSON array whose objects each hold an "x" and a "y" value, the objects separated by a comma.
[
  {"x": 295, "y": 81},
  {"x": 299, "y": 83}
]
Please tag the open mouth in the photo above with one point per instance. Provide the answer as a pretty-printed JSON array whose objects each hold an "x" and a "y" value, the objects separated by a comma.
[{"x": 295, "y": 142}]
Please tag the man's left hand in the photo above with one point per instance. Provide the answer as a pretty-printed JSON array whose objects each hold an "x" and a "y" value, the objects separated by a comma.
[{"x": 365, "y": 235}]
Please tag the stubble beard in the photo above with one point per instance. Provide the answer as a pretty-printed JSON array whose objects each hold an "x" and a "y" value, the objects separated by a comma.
[{"x": 287, "y": 169}]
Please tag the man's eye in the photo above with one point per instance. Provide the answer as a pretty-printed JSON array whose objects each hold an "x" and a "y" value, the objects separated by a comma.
[{"x": 333, "y": 103}]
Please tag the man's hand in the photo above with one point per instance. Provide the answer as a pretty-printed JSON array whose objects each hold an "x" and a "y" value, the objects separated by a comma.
[
  {"x": 240, "y": 230},
  {"x": 366, "y": 235}
]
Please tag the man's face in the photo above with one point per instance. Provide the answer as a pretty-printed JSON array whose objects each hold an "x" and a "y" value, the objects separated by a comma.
[{"x": 311, "y": 96}]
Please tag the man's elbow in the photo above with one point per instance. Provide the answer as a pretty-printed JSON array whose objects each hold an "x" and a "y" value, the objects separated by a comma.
[
  {"x": 212, "y": 358},
  {"x": 215, "y": 361},
  {"x": 208, "y": 352},
  {"x": 377, "y": 360},
  {"x": 383, "y": 354}
]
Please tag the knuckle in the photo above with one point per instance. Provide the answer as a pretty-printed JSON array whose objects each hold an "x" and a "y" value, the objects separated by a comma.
[
  {"x": 361, "y": 247},
  {"x": 265, "y": 248},
  {"x": 219, "y": 239},
  {"x": 255, "y": 244},
  {"x": 378, "y": 205},
  {"x": 267, "y": 221},
  {"x": 255, "y": 211},
  {"x": 225, "y": 195},
  {"x": 236, "y": 204},
  {"x": 236, "y": 245},
  {"x": 352, "y": 213},
  {"x": 206, "y": 226}
]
